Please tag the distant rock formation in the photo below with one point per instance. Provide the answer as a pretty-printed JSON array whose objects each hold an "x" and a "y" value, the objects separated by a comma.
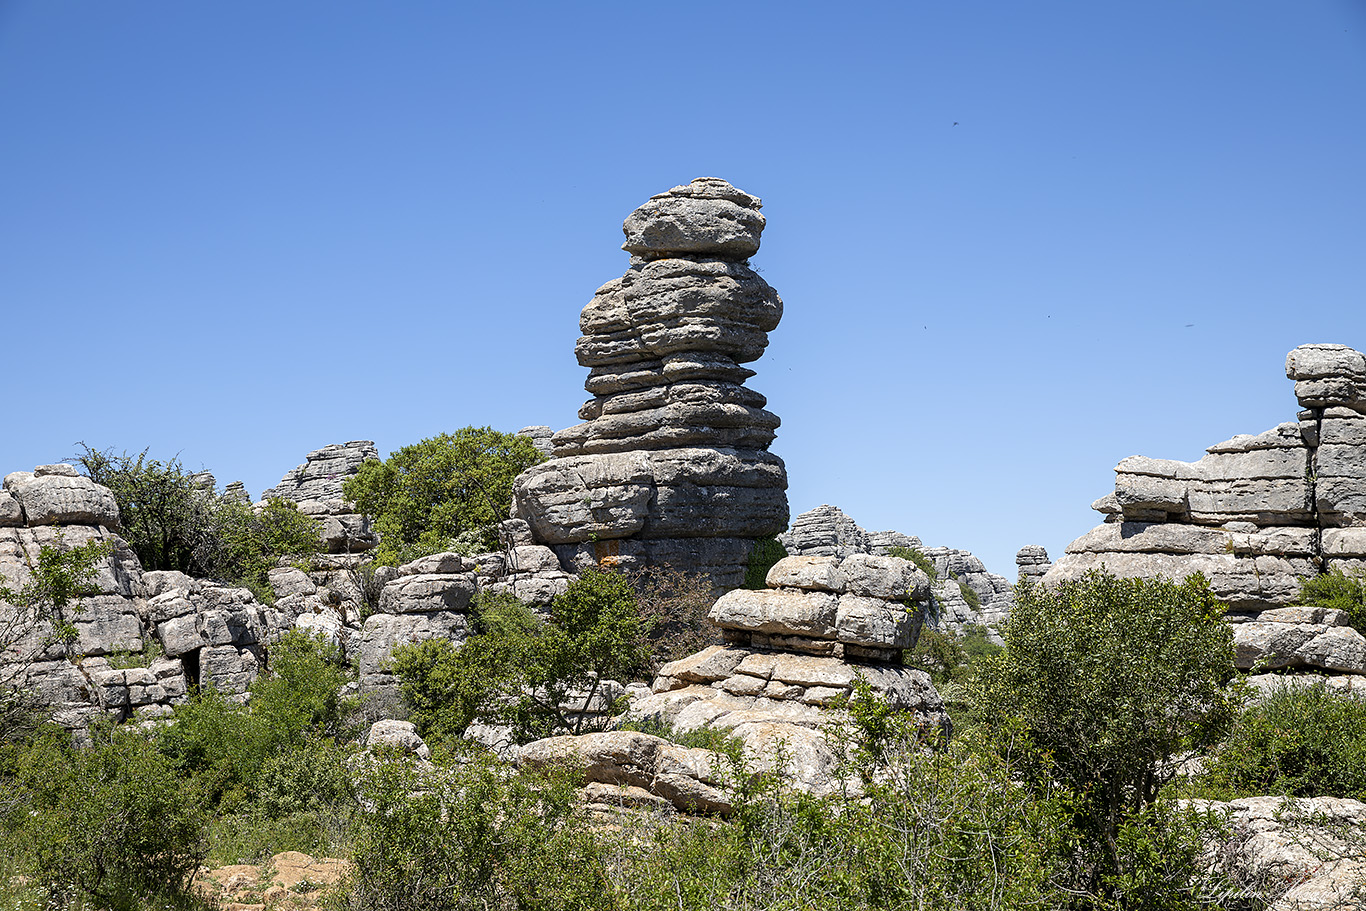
[
  {"x": 316, "y": 486},
  {"x": 961, "y": 578},
  {"x": 1032, "y": 562},
  {"x": 1255, "y": 515},
  {"x": 671, "y": 464}
]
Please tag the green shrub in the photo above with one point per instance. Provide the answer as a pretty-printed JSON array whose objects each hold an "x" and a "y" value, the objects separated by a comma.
[
  {"x": 1338, "y": 591},
  {"x": 226, "y": 747},
  {"x": 476, "y": 837},
  {"x": 969, "y": 595},
  {"x": 173, "y": 522},
  {"x": 1302, "y": 741},
  {"x": 425, "y": 497},
  {"x": 923, "y": 562},
  {"x": 951, "y": 657},
  {"x": 765, "y": 553},
  {"x": 1108, "y": 679},
  {"x": 519, "y": 670},
  {"x": 112, "y": 823}
]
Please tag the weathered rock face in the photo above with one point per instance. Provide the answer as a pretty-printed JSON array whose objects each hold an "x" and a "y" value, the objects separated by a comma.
[
  {"x": 143, "y": 640},
  {"x": 1032, "y": 562},
  {"x": 1306, "y": 851},
  {"x": 1254, "y": 515},
  {"x": 962, "y": 593},
  {"x": 316, "y": 486},
  {"x": 794, "y": 651},
  {"x": 671, "y": 463}
]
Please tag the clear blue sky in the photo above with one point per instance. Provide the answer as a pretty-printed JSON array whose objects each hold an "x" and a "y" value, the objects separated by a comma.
[{"x": 240, "y": 231}]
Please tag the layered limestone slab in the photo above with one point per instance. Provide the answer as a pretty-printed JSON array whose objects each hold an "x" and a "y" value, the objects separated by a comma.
[{"x": 1256, "y": 515}]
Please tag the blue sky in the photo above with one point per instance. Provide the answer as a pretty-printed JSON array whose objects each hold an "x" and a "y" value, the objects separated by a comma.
[{"x": 240, "y": 231}]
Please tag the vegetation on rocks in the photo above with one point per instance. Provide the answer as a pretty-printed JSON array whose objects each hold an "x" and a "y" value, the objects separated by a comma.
[
  {"x": 1336, "y": 590},
  {"x": 446, "y": 492},
  {"x": 173, "y": 522}
]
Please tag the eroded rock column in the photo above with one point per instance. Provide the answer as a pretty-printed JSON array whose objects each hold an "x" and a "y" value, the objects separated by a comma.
[{"x": 671, "y": 463}]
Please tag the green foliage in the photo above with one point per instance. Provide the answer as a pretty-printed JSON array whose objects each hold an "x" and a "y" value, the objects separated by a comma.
[
  {"x": 38, "y": 617},
  {"x": 1338, "y": 591},
  {"x": 520, "y": 670},
  {"x": 1301, "y": 741},
  {"x": 230, "y": 749},
  {"x": 717, "y": 740},
  {"x": 452, "y": 487},
  {"x": 172, "y": 522},
  {"x": 951, "y": 657},
  {"x": 475, "y": 837},
  {"x": 969, "y": 595},
  {"x": 249, "y": 543},
  {"x": 1108, "y": 679},
  {"x": 51, "y": 597},
  {"x": 924, "y": 563},
  {"x": 167, "y": 517},
  {"x": 112, "y": 823},
  {"x": 766, "y": 552}
]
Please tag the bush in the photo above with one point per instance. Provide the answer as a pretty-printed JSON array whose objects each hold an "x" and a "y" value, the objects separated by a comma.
[
  {"x": 673, "y": 607},
  {"x": 38, "y": 616},
  {"x": 1338, "y": 591},
  {"x": 519, "y": 670},
  {"x": 227, "y": 748},
  {"x": 112, "y": 823},
  {"x": 766, "y": 552},
  {"x": 477, "y": 837},
  {"x": 173, "y": 522},
  {"x": 951, "y": 658},
  {"x": 1301, "y": 741},
  {"x": 425, "y": 497},
  {"x": 1108, "y": 679}
]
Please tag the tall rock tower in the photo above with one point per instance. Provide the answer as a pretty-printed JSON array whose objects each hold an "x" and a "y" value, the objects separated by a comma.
[{"x": 671, "y": 464}]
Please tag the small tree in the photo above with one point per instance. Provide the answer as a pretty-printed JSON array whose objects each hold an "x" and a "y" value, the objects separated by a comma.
[
  {"x": 519, "y": 670},
  {"x": 455, "y": 486},
  {"x": 1110, "y": 678},
  {"x": 38, "y": 615}
]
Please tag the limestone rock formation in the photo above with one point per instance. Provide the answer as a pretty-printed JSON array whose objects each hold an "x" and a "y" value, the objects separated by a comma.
[
  {"x": 1306, "y": 850},
  {"x": 671, "y": 463},
  {"x": 1032, "y": 562},
  {"x": 316, "y": 486},
  {"x": 793, "y": 651},
  {"x": 1255, "y": 515},
  {"x": 143, "y": 640},
  {"x": 962, "y": 593}
]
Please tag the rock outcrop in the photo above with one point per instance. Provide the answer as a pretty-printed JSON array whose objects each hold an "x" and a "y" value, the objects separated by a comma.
[
  {"x": 671, "y": 464},
  {"x": 142, "y": 640},
  {"x": 962, "y": 592},
  {"x": 1298, "y": 853},
  {"x": 316, "y": 486},
  {"x": 793, "y": 652},
  {"x": 1255, "y": 515}
]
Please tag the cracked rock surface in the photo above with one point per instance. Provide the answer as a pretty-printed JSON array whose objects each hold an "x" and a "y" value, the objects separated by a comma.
[
  {"x": 1254, "y": 515},
  {"x": 671, "y": 462}
]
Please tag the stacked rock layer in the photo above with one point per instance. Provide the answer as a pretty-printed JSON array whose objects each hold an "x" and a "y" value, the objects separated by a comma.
[
  {"x": 671, "y": 463},
  {"x": 962, "y": 592},
  {"x": 793, "y": 652},
  {"x": 1255, "y": 515},
  {"x": 316, "y": 486}
]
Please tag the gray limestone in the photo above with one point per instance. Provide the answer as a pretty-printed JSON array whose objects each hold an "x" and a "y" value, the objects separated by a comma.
[
  {"x": 316, "y": 486},
  {"x": 670, "y": 463},
  {"x": 1255, "y": 515},
  {"x": 827, "y": 531}
]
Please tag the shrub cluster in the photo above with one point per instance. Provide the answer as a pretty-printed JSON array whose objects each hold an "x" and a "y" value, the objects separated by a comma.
[
  {"x": 447, "y": 492},
  {"x": 173, "y": 522}
]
